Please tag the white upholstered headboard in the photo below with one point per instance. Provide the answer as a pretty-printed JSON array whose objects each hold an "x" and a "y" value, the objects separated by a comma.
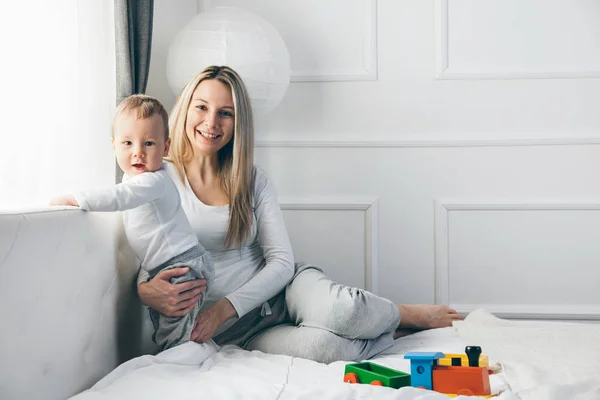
[{"x": 68, "y": 310}]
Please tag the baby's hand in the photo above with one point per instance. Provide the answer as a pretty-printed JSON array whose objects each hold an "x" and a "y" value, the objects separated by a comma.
[{"x": 66, "y": 200}]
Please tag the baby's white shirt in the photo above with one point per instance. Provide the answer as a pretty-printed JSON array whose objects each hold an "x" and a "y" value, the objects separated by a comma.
[{"x": 156, "y": 226}]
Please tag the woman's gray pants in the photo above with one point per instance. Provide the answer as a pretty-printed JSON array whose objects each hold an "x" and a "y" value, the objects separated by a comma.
[{"x": 318, "y": 319}]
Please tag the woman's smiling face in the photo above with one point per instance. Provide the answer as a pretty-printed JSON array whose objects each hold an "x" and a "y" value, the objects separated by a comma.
[{"x": 210, "y": 117}]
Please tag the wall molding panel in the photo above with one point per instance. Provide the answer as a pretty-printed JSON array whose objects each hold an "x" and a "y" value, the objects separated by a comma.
[
  {"x": 330, "y": 69},
  {"x": 444, "y": 70},
  {"x": 371, "y": 216},
  {"x": 529, "y": 311},
  {"x": 450, "y": 140},
  {"x": 442, "y": 233},
  {"x": 368, "y": 69}
]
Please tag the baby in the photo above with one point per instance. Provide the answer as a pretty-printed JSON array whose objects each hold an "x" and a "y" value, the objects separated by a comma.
[{"x": 156, "y": 226}]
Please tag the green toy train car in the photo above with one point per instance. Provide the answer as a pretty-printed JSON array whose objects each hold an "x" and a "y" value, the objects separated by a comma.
[{"x": 375, "y": 374}]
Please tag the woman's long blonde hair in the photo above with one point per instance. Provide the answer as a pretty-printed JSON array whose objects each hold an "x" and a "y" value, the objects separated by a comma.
[{"x": 236, "y": 158}]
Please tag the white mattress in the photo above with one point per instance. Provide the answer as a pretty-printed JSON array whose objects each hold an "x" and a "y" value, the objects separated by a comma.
[{"x": 232, "y": 373}]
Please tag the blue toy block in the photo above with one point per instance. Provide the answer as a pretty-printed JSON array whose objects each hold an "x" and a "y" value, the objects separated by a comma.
[{"x": 421, "y": 368}]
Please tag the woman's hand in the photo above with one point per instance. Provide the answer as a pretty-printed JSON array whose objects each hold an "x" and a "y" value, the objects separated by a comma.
[
  {"x": 171, "y": 300},
  {"x": 209, "y": 320}
]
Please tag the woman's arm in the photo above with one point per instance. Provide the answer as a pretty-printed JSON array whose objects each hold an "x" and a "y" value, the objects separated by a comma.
[
  {"x": 270, "y": 280},
  {"x": 171, "y": 300},
  {"x": 275, "y": 243}
]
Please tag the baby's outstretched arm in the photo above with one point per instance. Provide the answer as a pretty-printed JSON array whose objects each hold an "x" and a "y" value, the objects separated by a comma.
[
  {"x": 129, "y": 194},
  {"x": 65, "y": 200},
  {"x": 139, "y": 190}
]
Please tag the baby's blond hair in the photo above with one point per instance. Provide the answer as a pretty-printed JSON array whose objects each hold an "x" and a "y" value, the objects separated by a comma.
[{"x": 144, "y": 107}]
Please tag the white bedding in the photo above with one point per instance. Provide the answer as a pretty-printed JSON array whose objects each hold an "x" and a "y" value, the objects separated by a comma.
[
  {"x": 538, "y": 361},
  {"x": 541, "y": 360},
  {"x": 200, "y": 372}
]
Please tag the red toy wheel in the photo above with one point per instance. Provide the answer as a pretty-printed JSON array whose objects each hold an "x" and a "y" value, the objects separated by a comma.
[
  {"x": 351, "y": 377},
  {"x": 465, "y": 392},
  {"x": 377, "y": 383}
]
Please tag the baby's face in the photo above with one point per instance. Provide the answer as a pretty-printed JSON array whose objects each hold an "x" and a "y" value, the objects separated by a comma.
[{"x": 139, "y": 144}]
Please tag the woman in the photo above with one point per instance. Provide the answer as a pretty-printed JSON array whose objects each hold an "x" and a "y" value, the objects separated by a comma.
[{"x": 260, "y": 299}]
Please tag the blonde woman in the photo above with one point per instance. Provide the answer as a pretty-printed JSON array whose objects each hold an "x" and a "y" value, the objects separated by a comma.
[{"x": 259, "y": 299}]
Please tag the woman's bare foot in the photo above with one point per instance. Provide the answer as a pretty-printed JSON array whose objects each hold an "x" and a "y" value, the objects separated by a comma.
[{"x": 426, "y": 316}]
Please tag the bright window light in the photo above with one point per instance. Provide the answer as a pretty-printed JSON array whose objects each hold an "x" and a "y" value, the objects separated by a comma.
[{"x": 57, "y": 100}]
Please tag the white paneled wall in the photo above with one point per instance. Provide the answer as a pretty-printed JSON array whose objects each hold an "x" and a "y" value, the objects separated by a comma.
[
  {"x": 346, "y": 53},
  {"x": 409, "y": 182},
  {"x": 519, "y": 259},
  {"x": 514, "y": 39},
  {"x": 343, "y": 230},
  {"x": 437, "y": 150}
]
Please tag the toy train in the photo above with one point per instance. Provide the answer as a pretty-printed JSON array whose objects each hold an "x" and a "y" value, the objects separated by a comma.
[{"x": 451, "y": 374}]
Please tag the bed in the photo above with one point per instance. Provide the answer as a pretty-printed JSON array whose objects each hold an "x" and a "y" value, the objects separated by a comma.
[{"x": 72, "y": 328}]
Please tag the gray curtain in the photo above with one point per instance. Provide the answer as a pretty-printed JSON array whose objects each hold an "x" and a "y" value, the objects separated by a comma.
[{"x": 133, "y": 42}]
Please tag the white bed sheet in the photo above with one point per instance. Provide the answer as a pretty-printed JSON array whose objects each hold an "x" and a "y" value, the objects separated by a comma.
[
  {"x": 196, "y": 372},
  {"x": 541, "y": 360}
]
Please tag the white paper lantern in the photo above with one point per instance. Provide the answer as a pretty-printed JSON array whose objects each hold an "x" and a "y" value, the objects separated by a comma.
[{"x": 239, "y": 39}]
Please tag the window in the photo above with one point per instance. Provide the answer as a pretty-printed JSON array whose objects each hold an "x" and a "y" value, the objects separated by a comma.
[{"x": 57, "y": 77}]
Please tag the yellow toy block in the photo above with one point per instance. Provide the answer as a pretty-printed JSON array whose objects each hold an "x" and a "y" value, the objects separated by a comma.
[{"x": 464, "y": 361}]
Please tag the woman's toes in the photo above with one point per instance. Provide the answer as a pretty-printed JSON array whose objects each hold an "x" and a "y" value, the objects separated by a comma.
[{"x": 427, "y": 316}]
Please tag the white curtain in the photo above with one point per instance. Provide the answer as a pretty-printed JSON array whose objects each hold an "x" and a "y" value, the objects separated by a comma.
[{"x": 57, "y": 98}]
